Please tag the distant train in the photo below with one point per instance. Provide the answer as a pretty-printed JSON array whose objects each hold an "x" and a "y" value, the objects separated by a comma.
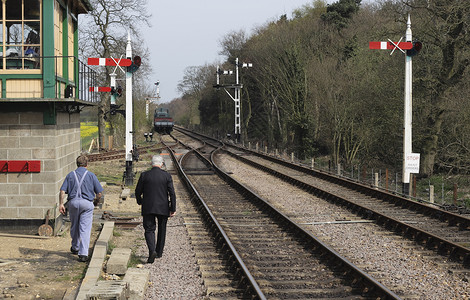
[{"x": 163, "y": 122}]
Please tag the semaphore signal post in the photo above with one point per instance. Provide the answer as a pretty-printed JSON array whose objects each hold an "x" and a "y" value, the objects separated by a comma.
[
  {"x": 131, "y": 66},
  {"x": 410, "y": 48}
]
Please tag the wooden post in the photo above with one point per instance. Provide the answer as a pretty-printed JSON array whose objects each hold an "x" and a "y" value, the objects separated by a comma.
[
  {"x": 257, "y": 146},
  {"x": 110, "y": 142},
  {"x": 313, "y": 162},
  {"x": 91, "y": 145},
  {"x": 339, "y": 170},
  {"x": 455, "y": 193},
  {"x": 414, "y": 186},
  {"x": 376, "y": 179},
  {"x": 386, "y": 179},
  {"x": 431, "y": 193},
  {"x": 292, "y": 157}
]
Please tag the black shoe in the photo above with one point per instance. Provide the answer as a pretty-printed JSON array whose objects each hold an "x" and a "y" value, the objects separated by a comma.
[
  {"x": 73, "y": 251},
  {"x": 159, "y": 256},
  {"x": 151, "y": 258},
  {"x": 83, "y": 258}
]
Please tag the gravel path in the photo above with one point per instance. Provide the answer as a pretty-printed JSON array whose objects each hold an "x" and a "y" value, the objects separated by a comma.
[
  {"x": 175, "y": 275},
  {"x": 400, "y": 265}
]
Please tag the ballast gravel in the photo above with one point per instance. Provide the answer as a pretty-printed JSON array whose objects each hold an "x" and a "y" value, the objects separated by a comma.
[
  {"x": 409, "y": 270},
  {"x": 404, "y": 267},
  {"x": 175, "y": 275}
]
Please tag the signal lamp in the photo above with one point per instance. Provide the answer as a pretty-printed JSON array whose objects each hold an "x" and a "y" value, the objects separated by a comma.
[{"x": 417, "y": 46}]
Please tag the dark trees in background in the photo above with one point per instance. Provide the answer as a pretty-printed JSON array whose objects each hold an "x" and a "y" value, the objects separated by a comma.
[{"x": 316, "y": 89}]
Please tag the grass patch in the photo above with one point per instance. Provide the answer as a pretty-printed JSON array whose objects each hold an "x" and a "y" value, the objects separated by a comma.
[
  {"x": 117, "y": 232},
  {"x": 134, "y": 260},
  {"x": 111, "y": 247}
]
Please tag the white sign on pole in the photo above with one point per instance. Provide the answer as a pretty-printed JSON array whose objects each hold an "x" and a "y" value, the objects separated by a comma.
[{"x": 412, "y": 163}]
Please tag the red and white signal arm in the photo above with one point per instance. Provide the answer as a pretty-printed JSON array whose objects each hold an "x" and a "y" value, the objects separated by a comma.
[
  {"x": 97, "y": 61},
  {"x": 100, "y": 89},
  {"x": 390, "y": 45}
]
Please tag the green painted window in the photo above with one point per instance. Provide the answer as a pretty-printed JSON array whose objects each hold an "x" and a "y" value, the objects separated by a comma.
[{"x": 20, "y": 40}]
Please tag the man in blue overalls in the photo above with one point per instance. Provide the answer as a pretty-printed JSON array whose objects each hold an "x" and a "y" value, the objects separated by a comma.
[{"x": 81, "y": 186}]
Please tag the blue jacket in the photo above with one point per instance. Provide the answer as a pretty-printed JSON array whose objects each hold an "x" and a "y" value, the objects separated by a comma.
[{"x": 90, "y": 185}]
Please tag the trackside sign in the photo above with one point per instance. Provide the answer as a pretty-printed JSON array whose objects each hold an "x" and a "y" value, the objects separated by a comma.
[{"x": 412, "y": 163}]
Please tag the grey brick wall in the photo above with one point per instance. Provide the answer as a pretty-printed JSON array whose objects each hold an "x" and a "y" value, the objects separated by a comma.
[{"x": 24, "y": 137}]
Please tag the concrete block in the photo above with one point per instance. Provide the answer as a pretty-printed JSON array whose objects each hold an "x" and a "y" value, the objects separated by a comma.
[
  {"x": 10, "y": 189},
  {"x": 43, "y": 201},
  {"x": 9, "y": 213},
  {"x": 31, "y": 189},
  {"x": 19, "y": 154},
  {"x": 20, "y": 130},
  {"x": 44, "y": 153},
  {"x": 9, "y": 143},
  {"x": 126, "y": 193},
  {"x": 106, "y": 234},
  {"x": 19, "y": 201},
  {"x": 113, "y": 289},
  {"x": 32, "y": 142},
  {"x": 31, "y": 118},
  {"x": 30, "y": 213},
  {"x": 117, "y": 263},
  {"x": 43, "y": 131},
  {"x": 138, "y": 282},
  {"x": 9, "y": 118},
  {"x": 19, "y": 177}
]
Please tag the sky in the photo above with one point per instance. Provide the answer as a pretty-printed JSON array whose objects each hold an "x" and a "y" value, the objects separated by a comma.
[{"x": 188, "y": 33}]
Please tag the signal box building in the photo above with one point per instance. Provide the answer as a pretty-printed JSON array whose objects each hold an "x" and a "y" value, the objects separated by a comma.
[{"x": 43, "y": 87}]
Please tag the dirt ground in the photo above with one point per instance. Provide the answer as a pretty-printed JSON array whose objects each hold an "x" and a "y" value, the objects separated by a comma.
[{"x": 34, "y": 268}]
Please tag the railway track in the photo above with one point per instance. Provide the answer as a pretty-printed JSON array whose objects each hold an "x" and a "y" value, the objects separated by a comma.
[
  {"x": 271, "y": 256},
  {"x": 120, "y": 154},
  {"x": 441, "y": 231},
  {"x": 411, "y": 252}
]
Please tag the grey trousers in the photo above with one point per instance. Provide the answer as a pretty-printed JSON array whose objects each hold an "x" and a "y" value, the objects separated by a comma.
[{"x": 81, "y": 219}]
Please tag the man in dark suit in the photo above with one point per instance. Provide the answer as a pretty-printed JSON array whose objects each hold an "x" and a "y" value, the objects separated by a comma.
[{"x": 152, "y": 192}]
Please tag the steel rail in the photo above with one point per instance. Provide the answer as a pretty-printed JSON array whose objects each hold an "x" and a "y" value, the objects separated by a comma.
[
  {"x": 358, "y": 277},
  {"x": 444, "y": 247},
  {"x": 246, "y": 279},
  {"x": 370, "y": 284}
]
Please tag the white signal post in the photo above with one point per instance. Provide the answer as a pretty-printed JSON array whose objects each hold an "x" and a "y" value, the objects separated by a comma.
[
  {"x": 129, "y": 176},
  {"x": 149, "y": 100},
  {"x": 236, "y": 97},
  {"x": 113, "y": 85},
  {"x": 407, "y": 120},
  {"x": 407, "y": 141}
]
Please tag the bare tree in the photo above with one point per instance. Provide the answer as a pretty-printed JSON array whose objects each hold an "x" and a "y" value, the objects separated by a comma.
[
  {"x": 104, "y": 35},
  {"x": 194, "y": 81}
]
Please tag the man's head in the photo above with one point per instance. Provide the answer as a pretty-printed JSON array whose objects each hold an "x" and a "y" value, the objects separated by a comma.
[
  {"x": 157, "y": 161},
  {"x": 82, "y": 161}
]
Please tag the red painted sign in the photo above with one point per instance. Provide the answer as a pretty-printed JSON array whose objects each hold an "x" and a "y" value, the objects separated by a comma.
[{"x": 20, "y": 166}]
